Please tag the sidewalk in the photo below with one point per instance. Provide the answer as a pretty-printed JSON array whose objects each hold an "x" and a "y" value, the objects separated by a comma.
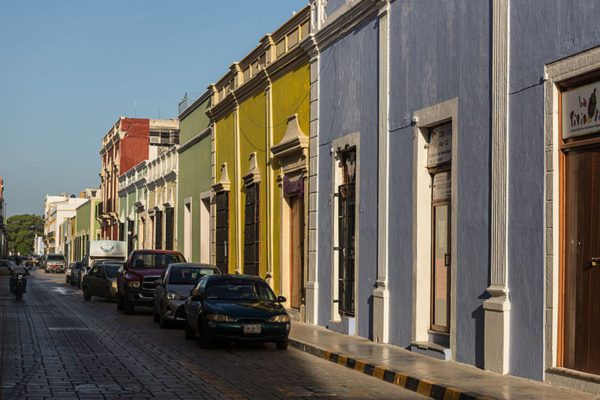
[{"x": 425, "y": 375}]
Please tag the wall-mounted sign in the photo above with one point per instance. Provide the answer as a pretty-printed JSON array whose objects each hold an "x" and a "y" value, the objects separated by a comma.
[
  {"x": 440, "y": 145},
  {"x": 442, "y": 186},
  {"x": 580, "y": 114}
]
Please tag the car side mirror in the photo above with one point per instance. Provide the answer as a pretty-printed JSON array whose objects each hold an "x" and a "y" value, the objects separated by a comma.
[{"x": 281, "y": 299}]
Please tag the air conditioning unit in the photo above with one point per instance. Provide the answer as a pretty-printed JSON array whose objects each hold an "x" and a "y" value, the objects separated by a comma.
[{"x": 154, "y": 140}]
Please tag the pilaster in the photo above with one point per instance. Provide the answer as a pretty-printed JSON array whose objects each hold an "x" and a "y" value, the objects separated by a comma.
[
  {"x": 312, "y": 284},
  {"x": 497, "y": 307},
  {"x": 381, "y": 294}
]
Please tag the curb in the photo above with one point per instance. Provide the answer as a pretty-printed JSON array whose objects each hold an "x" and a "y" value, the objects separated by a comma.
[{"x": 437, "y": 391}]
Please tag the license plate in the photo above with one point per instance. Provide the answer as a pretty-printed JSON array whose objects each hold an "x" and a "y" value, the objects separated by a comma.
[{"x": 251, "y": 329}]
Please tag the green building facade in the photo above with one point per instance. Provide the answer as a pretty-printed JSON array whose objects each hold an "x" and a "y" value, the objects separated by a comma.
[
  {"x": 87, "y": 227},
  {"x": 195, "y": 180}
]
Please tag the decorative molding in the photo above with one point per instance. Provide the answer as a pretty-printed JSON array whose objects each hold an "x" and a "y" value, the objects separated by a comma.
[
  {"x": 381, "y": 294},
  {"x": 253, "y": 175},
  {"x": 497, "y": 307},
  {"x": 292, "y": 150},
  {"x": 224, "y": 184},
  {"x": 196, "y": 139}
]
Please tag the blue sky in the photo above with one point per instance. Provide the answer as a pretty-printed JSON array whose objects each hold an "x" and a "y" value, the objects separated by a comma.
[{"x": 69, "y": 69}]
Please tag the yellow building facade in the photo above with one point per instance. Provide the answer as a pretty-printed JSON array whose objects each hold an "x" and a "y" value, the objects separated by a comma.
[{"x": 260, "y": 114}]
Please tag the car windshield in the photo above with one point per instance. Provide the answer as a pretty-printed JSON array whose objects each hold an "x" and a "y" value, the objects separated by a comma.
[
  {"x": 111, "y": 270},
  {"x": 149, "y": 260},
  {"x": 188, "y": 275},
  {"x": 238, "y": 289},
  {"x": 57, "y": 257}
]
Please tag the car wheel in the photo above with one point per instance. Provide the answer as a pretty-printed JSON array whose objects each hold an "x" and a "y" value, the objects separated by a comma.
[
  {"x": 189, "y": 332},
  {"x": 128, "y": 307},
  {"x": 120, "y": 302},
  {"x": 164, "y": 323},
  {"x": 86, "y": 294},
  {"x": 156, "y": 317},
  {"x": 282, "y": 344}
]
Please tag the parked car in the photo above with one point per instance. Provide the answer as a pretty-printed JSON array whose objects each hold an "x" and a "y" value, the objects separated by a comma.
[
  {"x": 85, "y": 269},
  {"x": 236, "y": 308},
  {"x": 174, "y": 287},
  {"x": 137, "y": 279},
  {"x": 6, "y": 266},
  {"x": 75, "y": 273},
  {"x": 55, "y": 263},
  {"x": 101, "y": 281}
]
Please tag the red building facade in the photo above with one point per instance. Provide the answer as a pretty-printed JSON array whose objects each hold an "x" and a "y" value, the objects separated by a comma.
[{"x": 123, "y": 147}]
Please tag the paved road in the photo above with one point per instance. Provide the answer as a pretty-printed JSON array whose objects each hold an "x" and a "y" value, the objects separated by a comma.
[{"x": 55, "y": 345}]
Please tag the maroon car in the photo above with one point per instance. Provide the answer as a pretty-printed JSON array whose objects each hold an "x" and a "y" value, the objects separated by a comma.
[{"x": 137, "y": 279}]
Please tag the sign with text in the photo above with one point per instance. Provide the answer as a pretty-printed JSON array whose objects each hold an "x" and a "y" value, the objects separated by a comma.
[
  {"x": 440, "y": 145},
  {"x": 580, "y": 114},
  {"x": 442, "y": 186}
]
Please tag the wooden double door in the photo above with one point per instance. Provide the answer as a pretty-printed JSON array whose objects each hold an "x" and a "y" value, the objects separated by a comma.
[
  {"x": 296, "y": 251},
  {"x": 581, "y": 278}
]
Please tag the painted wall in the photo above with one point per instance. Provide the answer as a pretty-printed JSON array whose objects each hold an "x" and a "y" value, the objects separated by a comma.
[
  {"x": 253, "y": 138},
  {"x": 348, "y": 104},
  {"x": 290, "y": 96},
  {"x": 439, "y": 51},
  {"x": 194, "y": 175},
  {"x": 539, "y": 35},
  {"x": 225, "y": 142}
]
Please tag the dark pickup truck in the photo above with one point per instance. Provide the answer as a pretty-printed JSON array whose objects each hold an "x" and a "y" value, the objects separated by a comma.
[{"x": 137, "y": 279}]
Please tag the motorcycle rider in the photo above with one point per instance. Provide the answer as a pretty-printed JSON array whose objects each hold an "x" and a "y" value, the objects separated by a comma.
[{"x": 19, "y": 269}]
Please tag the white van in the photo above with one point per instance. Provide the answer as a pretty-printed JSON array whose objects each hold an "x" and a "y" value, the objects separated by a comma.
[{"x": 99, "y": 250}]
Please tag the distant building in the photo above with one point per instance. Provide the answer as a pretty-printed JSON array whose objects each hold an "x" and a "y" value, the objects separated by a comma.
[
  {"x": 38, "y": 245},
  {"x": 129, "y": 142},
  {"x": 56, "y": 210}
]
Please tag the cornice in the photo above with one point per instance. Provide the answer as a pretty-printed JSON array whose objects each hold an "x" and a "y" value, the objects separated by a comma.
[
  {"x": 190, "y": 143},
  {"x": 253, "y": 175},
  {"x": 349, "y": 19},
  {"x": 205, "y": 96},
  {"x": 224, "y": 183},
  {"x": 289, "y": 61}
]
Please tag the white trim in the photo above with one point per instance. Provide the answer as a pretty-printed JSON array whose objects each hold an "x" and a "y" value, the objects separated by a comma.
[
  {"x": 426, "y": 118},
  {"x": 337, "y": 145},
  {"x": 497, "y": 307},
  {"x": 188, "y": 214},
  {"x": 381, "y": 293},
  {"x": 203, "y": 233},
  {"x": 571, "y": 67}
]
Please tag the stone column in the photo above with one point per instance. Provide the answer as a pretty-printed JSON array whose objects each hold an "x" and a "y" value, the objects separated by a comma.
[{"x": 497, "y": 307}]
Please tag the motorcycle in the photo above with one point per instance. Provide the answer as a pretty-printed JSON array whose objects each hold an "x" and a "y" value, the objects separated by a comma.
[{"x": 19, "y": 288}]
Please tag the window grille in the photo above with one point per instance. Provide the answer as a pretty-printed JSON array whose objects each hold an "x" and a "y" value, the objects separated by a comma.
[{"x": 346, "y": 231}]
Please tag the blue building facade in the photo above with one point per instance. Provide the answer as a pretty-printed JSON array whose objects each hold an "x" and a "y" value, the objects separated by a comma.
[{"x": 435, "y": 190}]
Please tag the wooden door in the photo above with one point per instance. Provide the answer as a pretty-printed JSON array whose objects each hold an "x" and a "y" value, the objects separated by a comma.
[
  {"x": 297, "y": 251},
  {"x": 582, "y": 270}
]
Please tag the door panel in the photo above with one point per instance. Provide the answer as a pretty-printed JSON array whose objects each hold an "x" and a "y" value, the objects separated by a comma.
[
  {"x": 297, "y": 251},
  {"x": 582, "y": 245},
  {"x": 441, "y": 265}
]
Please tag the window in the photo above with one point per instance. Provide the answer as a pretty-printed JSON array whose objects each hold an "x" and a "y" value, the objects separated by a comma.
[
  {"x": 222, "y": 231},
  {"x": 150, "y": 260},
  {"x": 187, "y": 229},
  {"x": 346, "y": 193},
  {"x": 251, "y": 231}
]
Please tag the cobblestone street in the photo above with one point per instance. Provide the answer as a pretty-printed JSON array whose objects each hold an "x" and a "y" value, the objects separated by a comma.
[{"x": 55, "y": 345}]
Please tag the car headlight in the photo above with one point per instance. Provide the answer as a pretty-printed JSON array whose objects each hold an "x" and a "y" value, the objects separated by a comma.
[
  {"x": 113, "y": 285},
  {"x": 175, "y": 296},
  {"x": 284, "y": 318},
  {"x": 219, "y": 318},
  {"x": 134, "y": 284}
]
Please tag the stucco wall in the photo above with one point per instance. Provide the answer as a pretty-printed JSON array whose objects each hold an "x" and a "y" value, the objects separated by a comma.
[
  {"x": 539, "y": 35},
  {"x": 439, "y": 51},
  {"x": 194, "y": 175},
  {"x": 348, "y": 104}
]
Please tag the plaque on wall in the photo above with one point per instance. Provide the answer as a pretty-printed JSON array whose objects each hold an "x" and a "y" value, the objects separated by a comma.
[
  {"x": 580, "y": 114},
  {"x": 440, "y": 145},
  {"x": 442, "y": 186}
]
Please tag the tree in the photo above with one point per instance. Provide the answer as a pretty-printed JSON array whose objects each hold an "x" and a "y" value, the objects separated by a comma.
[{"x": 21, "y": 232}]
